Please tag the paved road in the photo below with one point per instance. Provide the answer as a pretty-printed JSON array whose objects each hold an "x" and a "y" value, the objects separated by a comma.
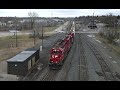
[
  {"x": 59, "y": 29},
  {"x": 3, "y": 34}
]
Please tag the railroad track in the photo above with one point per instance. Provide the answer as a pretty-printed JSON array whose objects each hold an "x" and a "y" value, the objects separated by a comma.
[
  {"x": 83, "y": 69},
  {"x": 31, "y": 73},
  {"x": 49, "y": 76},
  {"x": 107, "y": 73},
  {"x": 68, "y": 63}
]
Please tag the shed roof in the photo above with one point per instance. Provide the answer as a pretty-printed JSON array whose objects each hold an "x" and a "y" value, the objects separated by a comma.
[{"x": 21, "y": 57}]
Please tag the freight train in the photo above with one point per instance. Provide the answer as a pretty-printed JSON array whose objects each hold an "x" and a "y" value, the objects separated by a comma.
[{"x": 60, "y": 50}]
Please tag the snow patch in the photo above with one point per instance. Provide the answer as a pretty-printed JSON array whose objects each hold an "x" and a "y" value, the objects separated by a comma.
[
  {"x": 90, "y": 35},
  {"x": 85, "y": 30},
  {"x": 114, "y": 61},
  {"x": 98, "y": 41},
  {"x": 110, "y": 57}
]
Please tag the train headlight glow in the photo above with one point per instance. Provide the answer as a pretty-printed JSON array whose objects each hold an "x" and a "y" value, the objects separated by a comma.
[
  {"x": 56, "y": 56},
  {"x": 52, "y": 56}
]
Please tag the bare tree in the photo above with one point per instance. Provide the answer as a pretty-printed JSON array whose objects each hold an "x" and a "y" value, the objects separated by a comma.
[
  {"x": 32, "y": 16},
  {"x": 111, "y": 28}
]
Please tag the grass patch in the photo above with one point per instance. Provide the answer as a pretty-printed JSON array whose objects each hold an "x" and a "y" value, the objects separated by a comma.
[
  {"x": 114, "y": 48},
  {"x": 7, "y": 41},
  {"x": 103, "y": 40},
  {"x": 8, "y": 47},
  {"x": 9, "y": 53}
]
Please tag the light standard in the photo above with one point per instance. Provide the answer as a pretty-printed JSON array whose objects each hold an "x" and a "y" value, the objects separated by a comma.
[{"x": 41, "y": 47}]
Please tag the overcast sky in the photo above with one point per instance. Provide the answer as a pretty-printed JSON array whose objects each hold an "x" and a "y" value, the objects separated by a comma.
[{"x": 57, "y": 12}]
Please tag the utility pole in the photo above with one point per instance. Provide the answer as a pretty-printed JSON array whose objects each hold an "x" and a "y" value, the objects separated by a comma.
[
  {"x": 93, "y": 19},
  {"x": 51, "y": 14},
  {"x": 16, "y": 31},
  {"x": 42, "y": 35},
  {"x": 34, "y": 37},
  {"x": 116, "y": 28},
  {"x": 41, "y": 47}
]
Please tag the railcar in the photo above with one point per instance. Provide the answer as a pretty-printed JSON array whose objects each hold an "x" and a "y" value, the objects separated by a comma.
[{"x": 60, "y": 51}]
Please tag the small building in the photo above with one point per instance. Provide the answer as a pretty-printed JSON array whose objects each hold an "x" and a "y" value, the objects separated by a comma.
[
  {"x": 2, "y": 24},
  {"x": 10, "y": 23},
  {"x": 22, "y": 62},
  {"x": 92, "y": 25}
]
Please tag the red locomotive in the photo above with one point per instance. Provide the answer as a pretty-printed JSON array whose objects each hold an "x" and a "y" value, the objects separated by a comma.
[{"x": 60, "y": 50}]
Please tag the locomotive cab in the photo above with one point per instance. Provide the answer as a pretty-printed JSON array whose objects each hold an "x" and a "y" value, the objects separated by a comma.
[{"x": 55, "y": 58}]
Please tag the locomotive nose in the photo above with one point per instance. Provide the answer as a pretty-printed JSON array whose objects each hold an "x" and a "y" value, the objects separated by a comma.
[{"x": 54, "y": 56}]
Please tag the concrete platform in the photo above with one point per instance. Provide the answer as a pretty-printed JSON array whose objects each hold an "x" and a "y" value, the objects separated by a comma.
[
  {"x": 8, "y": 77},
  {"x": 3, "y": 73}
]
